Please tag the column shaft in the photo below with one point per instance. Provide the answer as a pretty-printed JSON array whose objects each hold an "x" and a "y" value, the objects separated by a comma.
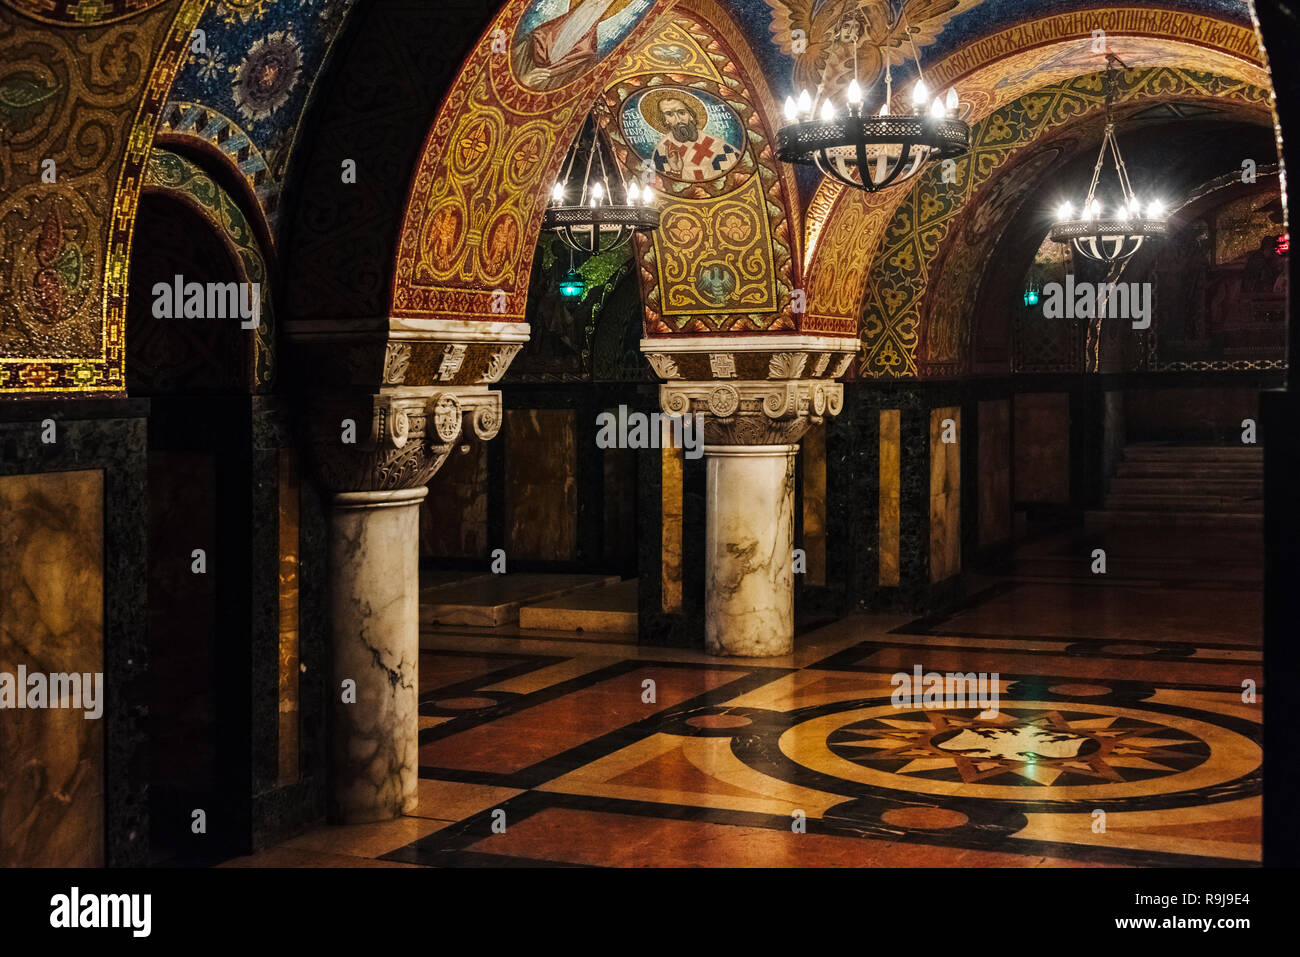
[
  {"x": 749, "y": 584},
  {"x": 374, "y": 601}
]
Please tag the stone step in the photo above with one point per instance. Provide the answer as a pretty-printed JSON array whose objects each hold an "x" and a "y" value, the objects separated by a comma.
[
  {"x": 1141, "y": 469},
  {"x": 1174, "y": 485},
  {"x": 1186, "y": 453},
  {"x": 1096, "y": 520},
  {"x": 1185, "y": 502},
  {"x": 611, "y": 608},
  {"x": 496, "y": 599}
]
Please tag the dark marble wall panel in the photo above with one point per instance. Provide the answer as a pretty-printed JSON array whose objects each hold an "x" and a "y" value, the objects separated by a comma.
[
  {"x": 108, "y": 436},
  {"x": 51, "y": 622},
  {"x": 182, "y": 622},
  {"x": 1114, "y": 432},
  {"x": 1042, "y": 448},
  {"x": 1189, "y": 415},
  {"x": 541, "y": 484},
  {"x": 619, "y": 478},
  {"x": 454, "y": 516},
  {"x": 812, "y": 461},
  {"x": 994, "y": 472}
]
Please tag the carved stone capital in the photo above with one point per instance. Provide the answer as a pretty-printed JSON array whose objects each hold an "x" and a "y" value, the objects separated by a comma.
[
  {"x": 754, "y": 412},
  {"x": 396, "y": 439},
  {"x": 775, "y": 357}
]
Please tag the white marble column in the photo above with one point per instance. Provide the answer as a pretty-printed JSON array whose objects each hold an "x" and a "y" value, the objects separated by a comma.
[
  {"x": 749, "y": 542},
  {"x": 374, "y": 573}
]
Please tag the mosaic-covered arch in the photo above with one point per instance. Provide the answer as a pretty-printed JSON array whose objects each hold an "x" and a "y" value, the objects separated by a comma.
[
  {"x": 726, "y": 256},
  {"x": 845, "y": 228},
  {"x": 180, "y": 179},
  {"x": 482, "y": 183},
  {"x": 916, "y": 239},
  {"x": 65, "y": 245},
  {"x": 965, "y": 258}
]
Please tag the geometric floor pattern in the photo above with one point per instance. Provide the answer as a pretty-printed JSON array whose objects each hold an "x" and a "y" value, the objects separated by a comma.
[{"x": 1114, "y": 741}]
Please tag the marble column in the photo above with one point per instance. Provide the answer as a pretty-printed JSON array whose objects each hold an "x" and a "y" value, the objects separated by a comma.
[
  {"x": 749, "y": 549},
  {"x": 374, "y": 575},
  {"x": 751, "y": 435},
  {"x": 378, "y": 482}
]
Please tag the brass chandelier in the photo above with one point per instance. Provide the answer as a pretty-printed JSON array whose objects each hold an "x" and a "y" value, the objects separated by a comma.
[
  {"x": 871, "y": 150},
  {"x": 585, "y": 212},
  {"x": 1092, "y": 232}
]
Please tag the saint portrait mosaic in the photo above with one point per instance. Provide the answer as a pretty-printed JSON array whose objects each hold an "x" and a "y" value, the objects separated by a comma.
[{"x": 689, "y": 135}]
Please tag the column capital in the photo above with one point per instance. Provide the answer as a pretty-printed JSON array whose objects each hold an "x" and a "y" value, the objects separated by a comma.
[
  {"x": 754, "y": 412},
  {"x": 396, "y": 439}
]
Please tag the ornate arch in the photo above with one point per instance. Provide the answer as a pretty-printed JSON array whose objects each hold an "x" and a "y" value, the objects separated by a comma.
[
  {"x": 926, "y": 222},
  {"x": 180, "y": 179},
  {"x": 726, "y": 256},
  {"x": 845, "y": 229},
  {"x": 480, "y": 188},
  {"x": 66, "y": 244}
]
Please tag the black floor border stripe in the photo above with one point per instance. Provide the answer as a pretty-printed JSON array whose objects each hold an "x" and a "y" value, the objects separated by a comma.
[
  {"x": 448, "y": 847},
  {"x": 606, "y": 744}
]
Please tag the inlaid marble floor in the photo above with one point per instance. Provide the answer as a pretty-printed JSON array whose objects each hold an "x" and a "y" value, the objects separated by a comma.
[{"x": 1121, "y": 737}]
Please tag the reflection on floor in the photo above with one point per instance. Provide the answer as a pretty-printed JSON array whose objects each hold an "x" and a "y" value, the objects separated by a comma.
[{"x": 1121, "y": 737}]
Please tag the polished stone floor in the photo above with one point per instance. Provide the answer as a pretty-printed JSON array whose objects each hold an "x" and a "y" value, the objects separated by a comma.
[{"x": 1120, "y": 736}]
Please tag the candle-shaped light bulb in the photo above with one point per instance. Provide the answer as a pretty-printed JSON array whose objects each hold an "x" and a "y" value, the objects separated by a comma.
[
  {"x": 1156, "y": 210},
  {"x": 828, "y": 111},
  {"x": 952, "y": 102},
  {"x": 884, "y": 108},
  {"x": 805, "y": 103},
  {"x": 920, "y": 93},
  {"x": 597, "y": 194},
  {"x": 791, "y": 111},
  {"x": 937, "y": 110},
  {"x": 633, "y": 195},
  {"x": 855, "y": 92},
  {"x": 1065, "y": 211},
  {"x": 557, "y": 194}
]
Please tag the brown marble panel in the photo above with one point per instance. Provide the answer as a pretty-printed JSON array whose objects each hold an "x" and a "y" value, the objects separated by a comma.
[
  {"x": 945, "y": 495},
  {"x": 51, "y": 621},
  {"x": 891, "y": 478},
  {"x": 671, "y": 460},
  {"x": 1042, "y": 447},
  {"x": 541, "y": 449},
  {"x": 453, "y": 518},
  {"x": 288, "y": 691},
  {"x": 813, "y": 460},
  {"x": 994, "y": 481}
]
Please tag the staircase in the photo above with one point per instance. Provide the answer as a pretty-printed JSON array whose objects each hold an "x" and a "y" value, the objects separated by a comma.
[{"x": 1186, "y": 485}]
